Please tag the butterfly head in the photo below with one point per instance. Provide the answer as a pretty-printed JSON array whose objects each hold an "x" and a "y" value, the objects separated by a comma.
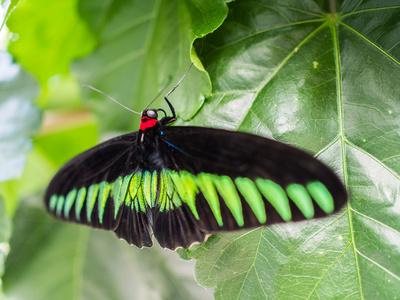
[{"x": 149, "y": 119}]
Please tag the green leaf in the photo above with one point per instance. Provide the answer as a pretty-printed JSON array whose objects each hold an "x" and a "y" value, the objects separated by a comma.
[
  {"x": 5, "y": 233},
  {"x": 10, "y": 8},
  {"x": 19, "y": 118},
  {"x": 62, "y": 137},
  {"x": 47, "y": 35},
  {"x": 328, "y": 84},
  {"x": 139, "y": 45},
  {"x": 54, "y": 260},
  {"x": 69, "y": 136}
]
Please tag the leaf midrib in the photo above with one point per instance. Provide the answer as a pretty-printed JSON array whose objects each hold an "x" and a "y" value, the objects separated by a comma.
[{"x": 334, "y": 30}]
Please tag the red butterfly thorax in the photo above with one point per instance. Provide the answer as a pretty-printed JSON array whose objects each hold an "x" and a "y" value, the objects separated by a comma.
[{"x": 147, "y": 122}]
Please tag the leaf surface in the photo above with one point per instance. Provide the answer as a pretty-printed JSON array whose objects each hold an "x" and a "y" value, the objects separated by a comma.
[
  {"x": 19, "y": 117},
  {"x": 47, "y": 35},
  {"x": 141, "y": 44},
  {"x": 327, "y": 84},
  {"x": 5, "y": 234},
  {"x": 54, "y": 260}
]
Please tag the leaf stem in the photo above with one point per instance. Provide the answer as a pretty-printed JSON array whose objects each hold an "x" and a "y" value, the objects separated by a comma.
[{"x": 331, "y": 6}]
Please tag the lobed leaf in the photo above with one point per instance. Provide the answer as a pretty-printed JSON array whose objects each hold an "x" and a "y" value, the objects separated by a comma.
[
  {"x": 327, "y": 84},
  {"x": 141, "y": 44}
]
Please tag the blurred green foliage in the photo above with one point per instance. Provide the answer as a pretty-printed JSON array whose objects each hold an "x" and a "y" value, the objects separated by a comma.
[{"x": 327, "y": 83}]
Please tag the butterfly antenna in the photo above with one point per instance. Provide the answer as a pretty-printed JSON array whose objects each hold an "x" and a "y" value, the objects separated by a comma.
[
  {"x": 111, "y": 98},
  {"x": 179, "y": 82},
  {"x": 160, "y": 92}
]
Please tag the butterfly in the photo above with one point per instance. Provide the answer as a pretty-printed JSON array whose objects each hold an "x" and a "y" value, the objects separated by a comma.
[{"x": 181, "y": 184}]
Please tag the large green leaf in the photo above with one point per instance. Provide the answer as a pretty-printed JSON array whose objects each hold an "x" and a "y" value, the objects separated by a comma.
[
  {"x": 328, "y": 84},
  {"x": 141, "y": 43}
]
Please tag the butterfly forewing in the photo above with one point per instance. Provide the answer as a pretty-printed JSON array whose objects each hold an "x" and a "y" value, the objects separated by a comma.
[{"x": 231, "y": 180}]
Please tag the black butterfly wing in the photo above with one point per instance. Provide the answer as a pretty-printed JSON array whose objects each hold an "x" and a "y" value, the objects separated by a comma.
[
  {"x": 225, "y": 180},
  {"x": 92, "y": 189},
  {"x": 190, "y": 182}
]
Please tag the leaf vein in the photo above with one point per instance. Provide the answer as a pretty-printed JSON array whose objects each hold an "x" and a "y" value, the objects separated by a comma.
[
  {"x": 370, "y": 42},
  {"x": 368, "y": 10},
  {"x": 379, "y": 265},
  {"x": 327, "y": 270}
]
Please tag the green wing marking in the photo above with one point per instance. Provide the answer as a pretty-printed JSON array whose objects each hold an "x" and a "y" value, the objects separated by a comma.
[
  {"x": 134, "y": 187},
  {"x": 105, "y": 189},
  {"x": 91, "y": 200},
  {"x": 276, "y": 196},
  {"x": 53, "y": 202},
  {"x": 80, "y": 200},
  {"x": 60, "y": 204},
  {"x": 301, "y": 198},
  {"x": 186, "y": 188},
  {"x": 253, "y": 197},
  {"x": 205, "y": 183},
  {"x": 169, "y": 190},
  {"x": 69, "y": 201},
  {"x": 227, "y": 190},
  {"x": 116, "y": 192},
  {"x": 154, "y": 185},
  {"x": 147, "y": 182},
  {"x": 322, "y": 196}
]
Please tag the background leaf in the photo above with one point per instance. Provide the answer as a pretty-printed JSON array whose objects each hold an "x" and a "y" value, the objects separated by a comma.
[
  {"x": 19, "y": 118},
  {"x": 88, "y": 264},
  {"x": 5, "y": 233},
  {"x": 327, "y": 83},
  {"x": 9, "y": 7},
  {"x": 139, "y": 46},
  {"x": 52, "y": 33}
]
